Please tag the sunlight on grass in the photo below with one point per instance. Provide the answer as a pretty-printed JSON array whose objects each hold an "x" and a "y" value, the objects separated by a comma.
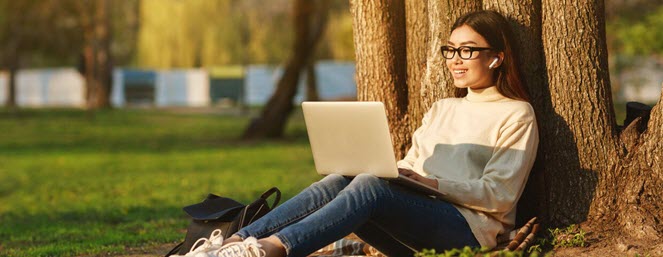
[{"x": 75, "y": 184}]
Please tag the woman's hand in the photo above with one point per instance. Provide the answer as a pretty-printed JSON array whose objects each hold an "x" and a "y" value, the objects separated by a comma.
[{"x": 413, "y": 175}]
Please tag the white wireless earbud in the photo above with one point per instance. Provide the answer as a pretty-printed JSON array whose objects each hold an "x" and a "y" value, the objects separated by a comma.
[{"x": 492, "y": 64}]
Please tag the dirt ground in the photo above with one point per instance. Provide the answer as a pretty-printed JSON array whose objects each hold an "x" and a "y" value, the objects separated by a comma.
[
  {"x": 607, "y": 244},
  {"x": 611, "y": 247}
]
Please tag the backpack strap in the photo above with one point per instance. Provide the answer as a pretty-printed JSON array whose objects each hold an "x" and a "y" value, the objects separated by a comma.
[
  {"x": 270, "y": 192},
  {"x": 175, "y": 249}
]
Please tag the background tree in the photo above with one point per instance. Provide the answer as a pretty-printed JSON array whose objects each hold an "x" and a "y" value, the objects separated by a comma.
[
  {"x": 26, "y": 33},
  {"x": 587, "y": 169},
  {"x": 97, "y": 58},
  {"x": 12, "y": 24},
  {"x": 310, "y": 19},
  {"x": 416, "y": 39},
  {"x": 51, "y": 33}
]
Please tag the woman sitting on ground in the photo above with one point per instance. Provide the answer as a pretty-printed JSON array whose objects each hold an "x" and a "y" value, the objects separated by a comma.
[{"x": 477, "y": 149}]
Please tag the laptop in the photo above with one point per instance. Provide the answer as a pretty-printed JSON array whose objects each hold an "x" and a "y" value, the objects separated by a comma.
[{"x": 349, "y": 138}]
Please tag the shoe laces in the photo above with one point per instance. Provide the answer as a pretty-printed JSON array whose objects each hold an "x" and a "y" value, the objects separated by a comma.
[
  {"x": 215, "y": 240},
  {"x": 247, "y": 248}
]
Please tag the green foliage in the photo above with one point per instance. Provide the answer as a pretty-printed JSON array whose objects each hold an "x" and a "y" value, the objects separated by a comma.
[
  {"x": 338, "y": 39},
  {"x": 637, "y": 35},
  {"x": 464, "y": 252},
  {"x": 50, "y": 33},
  {"x": 535, "y": 248},
  {"x": 190, "y": 33},
  {"x": 28, "y": 31},
  {"x": 209, "y": 33},
  {"x": 125, "y": 24},
  {"x": 166, "y": 33},
  {"x": 231, "y": 71},
  {"x": 572, "y": 236},
  {"x": 74, "y": 183}
]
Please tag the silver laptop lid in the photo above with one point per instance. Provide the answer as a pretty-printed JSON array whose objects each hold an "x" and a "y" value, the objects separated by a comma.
[{"x": 349, "y": 138}]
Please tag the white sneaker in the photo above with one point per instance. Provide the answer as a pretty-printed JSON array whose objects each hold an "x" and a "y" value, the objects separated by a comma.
[
  {"x": 207, "y": 247},
  {"x": 247, "y": 248}
]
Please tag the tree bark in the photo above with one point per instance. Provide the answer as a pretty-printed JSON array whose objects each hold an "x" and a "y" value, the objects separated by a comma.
[
  {"x": 274, "y": 116},
  {"x": 12, "y": 55},
  {"x": 578, "y": 129},
  {"x": 416, "y": 35},
  {"x": 311, "y": 82},
  {"x": 381, "y": 64},
  {"x": 98, "y": 65},
  {"x": 631, "y": 192},
  {"x": 640, "y": 192},
  {"x": 13, "y": 66}
]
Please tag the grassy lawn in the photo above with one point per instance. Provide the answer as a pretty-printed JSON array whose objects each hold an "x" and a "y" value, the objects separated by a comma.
[{"x": 76, "y": 184}]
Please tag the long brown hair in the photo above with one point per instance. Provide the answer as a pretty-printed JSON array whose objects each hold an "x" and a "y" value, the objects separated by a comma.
[{"x": 493, "y": 27}]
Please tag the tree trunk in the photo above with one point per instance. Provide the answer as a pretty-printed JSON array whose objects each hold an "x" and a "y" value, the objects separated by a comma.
[
  {"x": 578, "y": 129},
  {"x": 416, "y": 35},
  {"x": 12, "y": 57},
  {"x": 631, "y": 192},
  {"x": 11, "y": 85},
  {"x": 271, "y": 122},
  {"x": 381, "y": 64},
  {"x": 98, "y": 65},
  {"x": 311, "y": 82},
  {"x": 103, "y": 61}
]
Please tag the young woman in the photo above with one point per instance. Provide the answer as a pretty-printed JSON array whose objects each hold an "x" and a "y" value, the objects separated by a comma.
[{"x": 477, "y": 149}]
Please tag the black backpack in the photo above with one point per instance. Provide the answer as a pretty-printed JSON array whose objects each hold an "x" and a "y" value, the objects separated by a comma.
[{"x": 216, "y": 212}]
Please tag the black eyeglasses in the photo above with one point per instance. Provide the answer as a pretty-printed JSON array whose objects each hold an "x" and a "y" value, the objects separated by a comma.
[{"x": 465, "y": 52}]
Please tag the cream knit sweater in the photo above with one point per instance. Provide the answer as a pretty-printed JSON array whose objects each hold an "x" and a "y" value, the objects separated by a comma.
[{"x": 480, "y": 148}]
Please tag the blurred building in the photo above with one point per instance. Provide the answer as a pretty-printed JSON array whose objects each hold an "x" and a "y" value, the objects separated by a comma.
[
  {"x": 59, "y": 87},
  {"x": 335, "y": 81},
  {"x": 642, "y": 83},
  {"x": 160, "y": 88},
  {"x": 226, "y": 86}
]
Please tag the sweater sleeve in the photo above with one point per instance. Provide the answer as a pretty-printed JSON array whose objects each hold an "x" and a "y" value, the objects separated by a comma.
[
  {"x": 408, "y": 161},
  {"x": 505, "y": 174}
]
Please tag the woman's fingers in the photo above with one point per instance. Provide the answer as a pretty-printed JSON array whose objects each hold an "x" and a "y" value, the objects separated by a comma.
[{"x": 413, "y": 175}]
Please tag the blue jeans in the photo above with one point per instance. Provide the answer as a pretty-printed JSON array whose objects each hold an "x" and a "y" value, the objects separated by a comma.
[{"x": 387, "y": 216}]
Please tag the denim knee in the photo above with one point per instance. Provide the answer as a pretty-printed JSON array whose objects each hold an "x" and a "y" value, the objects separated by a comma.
[
  {"x": 332, "y": 181},
  {"x": 333, "y": 178},
  {"x": 369, "y": 179},
  {"x": 368, "y": 185}
]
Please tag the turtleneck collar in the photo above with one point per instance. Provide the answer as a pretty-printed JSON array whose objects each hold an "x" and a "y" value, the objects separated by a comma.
[{"x": 489, "y": 94}]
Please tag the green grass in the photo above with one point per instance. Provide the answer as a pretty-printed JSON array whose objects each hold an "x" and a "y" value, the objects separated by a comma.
[
  {"x": 571, "y": 236},
  {"x": 74, "y": 183}
]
